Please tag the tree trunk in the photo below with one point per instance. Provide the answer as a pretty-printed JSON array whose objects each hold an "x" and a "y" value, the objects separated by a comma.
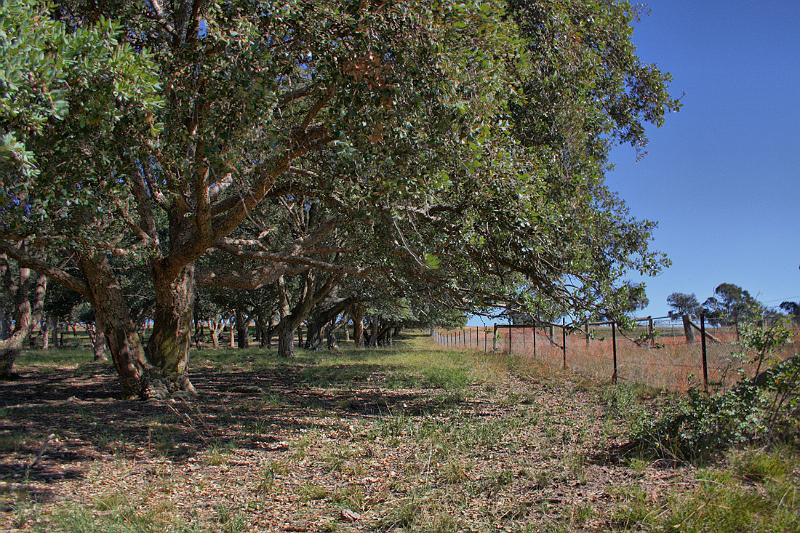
[
  {"x": 122, "y": 337},
  {"x": 242, "y": 337},
  {"x": 99, "y": 341},
  {"x": 168, "y": 347},
  {"x": 373, "y": 332},
  {"x": 5, "y": 325},
  {"x": 358, "y": 325},
  {"x": 286, "y": 331},
  {"x": 213, "y": 330},
  {"x": 46, "y": 329},
  {"x": 262, "y": 328},
  {"x": 687, "y": 329},
  {"x": 10, "y": 347}
]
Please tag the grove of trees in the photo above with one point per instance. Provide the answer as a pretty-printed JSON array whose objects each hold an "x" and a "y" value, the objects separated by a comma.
[{"x": 296, "y": 162}]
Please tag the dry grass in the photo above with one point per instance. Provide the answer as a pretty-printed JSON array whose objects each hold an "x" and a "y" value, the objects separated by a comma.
[{"x": 667, "y": 363}]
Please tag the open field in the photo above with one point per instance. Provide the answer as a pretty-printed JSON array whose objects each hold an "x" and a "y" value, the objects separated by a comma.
[
  {"x": 405, "y": 438},
  {"x": 667, "y": 363}
]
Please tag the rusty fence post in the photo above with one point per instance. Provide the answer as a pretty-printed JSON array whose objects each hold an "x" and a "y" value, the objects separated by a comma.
[
  {"x": 494, "y": 339},
  {"x": 485, "y": 340},
  {"x": 703, "y": 351},
  {"x": 564, "y": 343},
  {"x": 534, "y": 339},
  {"x": 614, "y": 349},
  {"x": 509, "y": 340}
]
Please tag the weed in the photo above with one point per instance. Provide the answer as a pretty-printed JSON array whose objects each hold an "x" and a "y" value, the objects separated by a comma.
[{"x": 312, "y": 491}]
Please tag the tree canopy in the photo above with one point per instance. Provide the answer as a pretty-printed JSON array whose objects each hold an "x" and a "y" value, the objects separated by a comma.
[{"x": 451, "y": 153}]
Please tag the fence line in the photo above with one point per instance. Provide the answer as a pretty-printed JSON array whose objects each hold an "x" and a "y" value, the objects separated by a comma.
[{"x": 658, "y": 351}]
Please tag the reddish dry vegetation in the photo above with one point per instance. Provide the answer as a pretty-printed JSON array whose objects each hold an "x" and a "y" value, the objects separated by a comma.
[
  {"x": 406, "y": 438},
  {"x": 668, "y": 362}
]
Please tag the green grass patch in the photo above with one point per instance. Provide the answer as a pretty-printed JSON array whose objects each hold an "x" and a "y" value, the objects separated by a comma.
[{"x": 755, "y": 491}]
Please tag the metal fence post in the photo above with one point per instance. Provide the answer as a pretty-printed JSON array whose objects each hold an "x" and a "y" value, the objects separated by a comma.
[
  {"x": 485, "y": 340},
  {"x": 534, "y": 339},
  {"x": 494, "y": 339},
  {"x": 509, "y": 340},
  {"x": 564, "y": 343},
  {"x": 703, "y": 350},
  {"x": 614, "y": 349}
]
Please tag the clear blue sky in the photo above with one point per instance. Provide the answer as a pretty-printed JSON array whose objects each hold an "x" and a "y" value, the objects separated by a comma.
[{"x": 722, "y": 177}]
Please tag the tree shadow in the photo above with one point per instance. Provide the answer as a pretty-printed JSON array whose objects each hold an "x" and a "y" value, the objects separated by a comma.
[{"x": 52, "y": 424}]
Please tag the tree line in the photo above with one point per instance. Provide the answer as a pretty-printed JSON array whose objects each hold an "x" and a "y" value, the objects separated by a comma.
[{"x": 401, "y": 162}]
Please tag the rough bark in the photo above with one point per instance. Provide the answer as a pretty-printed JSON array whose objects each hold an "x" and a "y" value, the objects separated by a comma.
[
  {"x": 5, "y": 325},
  {"x": 215, "y": 327},
  {"x": 122, "y": 337},
  {"x": 99, "y": 341},
  {"x": 310, "y": 294},
  {"x": 374, "y": 330},
  {"x": 263, "y": 329},
  {"x": 168, "y": 347},
  {"x": 17, "y": 287},
  {"x": 322, "y": 320},
  {"x": 286, "y": 329}
]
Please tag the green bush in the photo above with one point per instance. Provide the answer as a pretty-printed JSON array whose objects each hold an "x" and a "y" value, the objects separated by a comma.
[{"x": 696, "y": 427}]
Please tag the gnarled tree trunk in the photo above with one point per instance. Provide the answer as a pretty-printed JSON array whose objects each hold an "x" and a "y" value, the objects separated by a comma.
[
  {"x": 122, "y": 337},
  {"x": 168, "y": 347},
  {"x": 47, "y": 328},
  {"x": 17, "y": 287}
]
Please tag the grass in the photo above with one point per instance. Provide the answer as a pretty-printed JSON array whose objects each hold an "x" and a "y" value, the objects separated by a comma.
[
  {"x": 412, "y": 438},
  {"x": 753, "y": 490}
]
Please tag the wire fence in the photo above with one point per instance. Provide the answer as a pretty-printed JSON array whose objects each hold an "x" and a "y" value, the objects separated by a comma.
[{"x": 661, "y": 352}]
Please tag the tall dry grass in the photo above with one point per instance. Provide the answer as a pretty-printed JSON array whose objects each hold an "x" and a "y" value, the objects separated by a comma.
[{"x": 667, "y": 362}]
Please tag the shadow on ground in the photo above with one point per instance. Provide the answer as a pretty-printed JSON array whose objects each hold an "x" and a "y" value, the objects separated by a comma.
[{"x": 53, "y": 421}]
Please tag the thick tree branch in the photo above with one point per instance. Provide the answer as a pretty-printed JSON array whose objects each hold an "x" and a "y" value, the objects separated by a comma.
[{"x": 58, "y": 274}]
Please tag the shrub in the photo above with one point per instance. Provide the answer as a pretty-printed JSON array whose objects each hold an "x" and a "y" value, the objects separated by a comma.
[{"x": 697, "y": 426}]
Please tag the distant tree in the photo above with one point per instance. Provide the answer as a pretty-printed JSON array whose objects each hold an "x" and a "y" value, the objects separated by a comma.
[
  {"x": 685, "y": 307},
  {"x": 732, "y": 303},
  {"x": 792, "y": 309},
  {"x": 683, "y": 304}
]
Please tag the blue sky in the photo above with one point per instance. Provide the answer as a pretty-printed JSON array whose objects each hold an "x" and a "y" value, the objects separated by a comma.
[{"x": 722, "y": 177}]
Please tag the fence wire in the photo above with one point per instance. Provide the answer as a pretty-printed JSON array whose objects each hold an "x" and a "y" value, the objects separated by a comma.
[{"x": 660, "y": 352}]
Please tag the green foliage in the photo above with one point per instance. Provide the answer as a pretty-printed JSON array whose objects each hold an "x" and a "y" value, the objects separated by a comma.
[
  {"x": 758, "y": 343},
  {"x": 756, "y": 491},
  {"x": 49, "y": 71},
  {"x": 732, "y": 303},
  {"x": 683, "y": 304},
  {"x": 697, "y": 427}
]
